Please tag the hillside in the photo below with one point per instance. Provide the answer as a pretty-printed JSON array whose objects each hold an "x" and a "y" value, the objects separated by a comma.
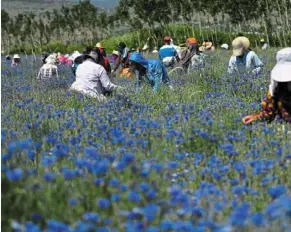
[{"x": 13, "y": 7}]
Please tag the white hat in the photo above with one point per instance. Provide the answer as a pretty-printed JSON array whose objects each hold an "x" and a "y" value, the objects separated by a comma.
[
  {"x": 16, "y": 56},
  {"x": 225, "y": 46},
  {"x": 115, "y": 53},
  {"x": 145, "y": 47},
  {"x": 51, "y": 59},
  {"x": 75, "y": 55},
  {"x": 282, "y": 70}
]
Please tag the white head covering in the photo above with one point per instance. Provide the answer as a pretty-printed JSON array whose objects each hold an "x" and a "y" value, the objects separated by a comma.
[
  {"x": 282, "y": 70},
  {"x": 145, "y": 47},
  {"x": 75, "y": 55},
  {"x": 51, "y": 59},
  {"x": 16, "y": 56},
  {"x": 225, "y": 46}
]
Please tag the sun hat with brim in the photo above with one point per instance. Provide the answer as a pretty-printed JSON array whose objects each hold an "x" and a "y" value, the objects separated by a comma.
[
  {"x": 225, "y": 46},
  {"x": 192, "y": 40},
  {"x": 208, "y": 45},
  {"x": 99, "y": 45},
  {"x": 262, "y": 41},
  {"x": 239, "y": 45},
  {"x": 16, "y": 56},
  {"x": 282, "y": 70}
]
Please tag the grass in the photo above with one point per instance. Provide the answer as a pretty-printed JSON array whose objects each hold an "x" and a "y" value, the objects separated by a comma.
[{"x": 193, "y": 163}]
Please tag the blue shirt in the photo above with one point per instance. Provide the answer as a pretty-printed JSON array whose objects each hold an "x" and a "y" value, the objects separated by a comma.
[{"x": 167, "y": 51}]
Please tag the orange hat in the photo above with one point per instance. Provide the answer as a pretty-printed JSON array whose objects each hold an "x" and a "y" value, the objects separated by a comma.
[
  {"x": 167, "y": 38},
  {"x": 192, "y": 40}
]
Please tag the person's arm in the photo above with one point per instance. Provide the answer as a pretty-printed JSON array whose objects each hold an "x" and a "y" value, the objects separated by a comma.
[
  {"x": 232, "y": 66},
  {"x": 105, "y": 81},
  {"x": 268, "y": 111},
  {"x": 258, "y": 64}
]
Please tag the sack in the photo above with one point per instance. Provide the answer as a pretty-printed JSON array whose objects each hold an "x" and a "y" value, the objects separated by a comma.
[{"x": 169, "y": 61}]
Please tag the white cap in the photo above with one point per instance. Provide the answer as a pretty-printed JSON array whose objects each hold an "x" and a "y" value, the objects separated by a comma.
[
  {"x": 16, "y": 56},
  {"x": 282, "y": 70},
  {"x": 225, "y": 46}
]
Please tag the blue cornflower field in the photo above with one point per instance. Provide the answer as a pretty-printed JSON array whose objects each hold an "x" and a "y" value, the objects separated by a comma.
[{"x": 168, "y": 161}]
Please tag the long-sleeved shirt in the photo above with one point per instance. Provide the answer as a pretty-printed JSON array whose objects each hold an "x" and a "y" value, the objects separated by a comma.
[
  {"x": 92, "y": 80},
  {"x": 279, "y": 105},
  {"x": 248, "y": 63},
  {"x": 48, "y": 71},
  {"x": 156, "y": 74}
]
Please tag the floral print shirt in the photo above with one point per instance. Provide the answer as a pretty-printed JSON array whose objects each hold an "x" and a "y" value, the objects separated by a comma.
[{"x": 272, "y": 107}]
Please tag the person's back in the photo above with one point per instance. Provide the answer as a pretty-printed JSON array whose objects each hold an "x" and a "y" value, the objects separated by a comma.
[
  {"x": 92, "y": 79},
  {"x": 49, "y": 69}
]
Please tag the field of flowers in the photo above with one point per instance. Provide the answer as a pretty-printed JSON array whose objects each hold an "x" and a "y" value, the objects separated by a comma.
[{"x": 171, "y": 161}]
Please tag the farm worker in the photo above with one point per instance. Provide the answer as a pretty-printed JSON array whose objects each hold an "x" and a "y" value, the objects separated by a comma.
[
  {"x": 243, "y": 59},
  {"x": 77, "y": 59},
  {"x": 123, "y": 58},
  {"x": 224, "y": 47},
  {"x": 102, "y": 49},
  {"x": 152, "y": 69},
  {"x": 91, "y": 77},
  {"x": 113, "y": 57},
  {"x": 168, "y": 54},
  {"x": 278, "y": 99},
  {"x": 155, "y": 50},
  {"x": 264, "y": 44},
  {"x": 15, "y": 60},
  {"x": 191, "y": 59},
  {"x": 104, "y": 61},
  {"x": 49, "y": 69},
  {"x": 61, "y": 58}
]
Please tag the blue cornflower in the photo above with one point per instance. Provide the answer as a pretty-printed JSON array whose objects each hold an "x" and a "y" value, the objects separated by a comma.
[
  {"x": 134, "y": 196},
  {"x": 48, "y": 176},
  {"x": 103, "y": 203},
  {"x": 276, "y": 191},
  {"x": 73, "y": 202},
  {"x": 55, "y": 225},
  {"x": 14, "y": 175},
  {"x": 114, "y": 182},
  {"x": 258, "y": 219},
  {"x": 115, "y": 197},
  {"x": 91, "y": 216}
]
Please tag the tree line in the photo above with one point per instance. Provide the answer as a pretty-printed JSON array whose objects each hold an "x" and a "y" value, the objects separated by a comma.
[{"x": 86, "y": 23}]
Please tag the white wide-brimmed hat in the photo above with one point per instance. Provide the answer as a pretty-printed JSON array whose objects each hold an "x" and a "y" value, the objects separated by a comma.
[
  {"x": 16, "y": 56},
  {"x": 282, "y": 70},
  {"x": 225, "y": 46},
  {"x": 240, "y": 44}
]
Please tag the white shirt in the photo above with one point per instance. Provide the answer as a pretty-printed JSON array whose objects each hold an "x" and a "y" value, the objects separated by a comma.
[
  {"x": 249, "y": 63},
  {"x": 92, "y": 80},
  {"x": 48, "y": 71}
]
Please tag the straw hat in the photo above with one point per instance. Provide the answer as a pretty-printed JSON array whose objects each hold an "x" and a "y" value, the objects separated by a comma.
[
  {"x": 282, "y": 70},
  {"x": 192, "y": 40},
  {"x": 262, "y": 41},
  {"x": 240, "y": 45},
  {"x": 224, "y": 46},
  {"x": 99, "y": 45},
  {"x": 16, "y": 56}
]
